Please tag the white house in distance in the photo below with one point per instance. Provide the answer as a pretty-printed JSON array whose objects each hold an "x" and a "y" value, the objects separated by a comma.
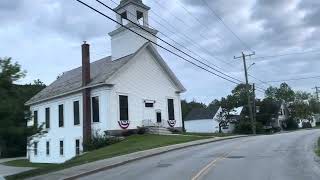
[
  {"x": 132, "y": 87},
  {"x": 206, "y": 121}
]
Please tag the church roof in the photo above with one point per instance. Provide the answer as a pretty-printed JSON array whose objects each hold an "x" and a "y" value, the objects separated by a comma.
[
  {"x": 100, "y": 71},
  {"x": 135, "y": 2}
]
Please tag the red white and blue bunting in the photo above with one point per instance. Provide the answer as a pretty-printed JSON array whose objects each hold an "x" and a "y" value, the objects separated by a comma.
[
  {"x": 172, "y": 123},
  {"x": 124, "y": 124}
]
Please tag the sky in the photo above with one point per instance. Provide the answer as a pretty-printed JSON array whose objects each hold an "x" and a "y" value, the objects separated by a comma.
[{"x": 44, "y": 37}]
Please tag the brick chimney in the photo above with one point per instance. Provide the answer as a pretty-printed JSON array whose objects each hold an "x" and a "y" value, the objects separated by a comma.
[{"x": 86, "y": 92}]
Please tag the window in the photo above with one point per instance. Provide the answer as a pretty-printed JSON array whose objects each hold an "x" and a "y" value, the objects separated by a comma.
[
  {"x": 47, "y": 117},
  {"x": 148, "y": 104},
  {"x": 48, "y": 148},
  {"x": 61, "y": 115},
  {"x": 170, "y": 109},
  {"x": 95, "y": 109},
  {"x": 140, "y": 17},
  {"x": 77, "y": 147},
  {"x": 124, "y": 18},
  {"x": 123, "y": 106},
  {"x": 61, "y": 148},
  {"x": 35, "y": 148},
  {"x": 35, "y": 118},
  {"x": 76, "y": 113}
]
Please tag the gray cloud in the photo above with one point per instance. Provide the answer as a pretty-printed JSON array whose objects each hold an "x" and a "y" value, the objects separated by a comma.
[{"x": 48, "y": 33}]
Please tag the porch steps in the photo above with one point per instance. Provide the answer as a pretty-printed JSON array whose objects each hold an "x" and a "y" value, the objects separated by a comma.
[{"x": 158, "y": 130}]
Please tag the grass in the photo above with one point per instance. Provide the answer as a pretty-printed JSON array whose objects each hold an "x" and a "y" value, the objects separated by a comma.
[
  {"x": 210, "y": 134},
  {"x": 129, "y": 145}
]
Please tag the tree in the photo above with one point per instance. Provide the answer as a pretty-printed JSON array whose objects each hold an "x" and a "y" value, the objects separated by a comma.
[
  {"x": 284, "y": 92},
  {"x": 13, "y": 112},
  {"x": 186, "y": 107},
  {"x": 222, "y": 119}
]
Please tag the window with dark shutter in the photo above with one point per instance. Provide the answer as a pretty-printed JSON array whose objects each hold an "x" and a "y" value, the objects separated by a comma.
[
  {"x": 47, "y": 117},
  {"x": 61, "y": 148},
  {"x": 95, "y": 109},
  {"x": 123, "y": 106},
  {"x": 35, "y": 118},
  {"x": 48, "y": 148},
  {"x": 77, "y": 147},
  {"x": 35, "y": 148},
  {"x": 170, "y": 109},
  {"x": 76, "y": 113},
  {"x": 61, "y": 120}
]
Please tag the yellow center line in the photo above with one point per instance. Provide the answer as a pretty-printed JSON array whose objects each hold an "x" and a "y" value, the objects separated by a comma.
[{"x": 204, "y": 170}]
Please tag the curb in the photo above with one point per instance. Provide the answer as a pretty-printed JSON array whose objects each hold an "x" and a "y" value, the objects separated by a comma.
[{"x": 150, "y": 155}]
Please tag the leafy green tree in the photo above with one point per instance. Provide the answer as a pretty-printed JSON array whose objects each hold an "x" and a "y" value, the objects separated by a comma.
[
  {"x": 13, "y": 113},
  {"x": 284, "y": 92},
  {"x": 186, "y": 107}
]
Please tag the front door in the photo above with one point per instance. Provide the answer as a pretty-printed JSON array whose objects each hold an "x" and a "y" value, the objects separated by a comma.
[
  {"x": 159, "y": 117},
  {"x": 148, "y": 114}
]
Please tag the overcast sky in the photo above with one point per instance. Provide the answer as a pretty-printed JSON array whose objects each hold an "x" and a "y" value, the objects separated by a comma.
[{"x": 45, "y": 36}]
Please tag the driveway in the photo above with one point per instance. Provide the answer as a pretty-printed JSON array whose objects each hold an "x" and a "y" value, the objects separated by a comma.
[
  {"x": 8, "y": 170},
  {"x": 287, "y": 156}
]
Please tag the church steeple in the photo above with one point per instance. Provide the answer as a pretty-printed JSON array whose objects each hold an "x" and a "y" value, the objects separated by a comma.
[
  {"x": 133, "y": 10},
  {"x": 123, "y": 41}
]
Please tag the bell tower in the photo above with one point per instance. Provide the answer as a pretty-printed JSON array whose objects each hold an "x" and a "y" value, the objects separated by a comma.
[{"x": 134, "y": 15}]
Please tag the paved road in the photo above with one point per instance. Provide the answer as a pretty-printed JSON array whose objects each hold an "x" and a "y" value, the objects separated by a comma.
[{"x": 287, "y": 156}]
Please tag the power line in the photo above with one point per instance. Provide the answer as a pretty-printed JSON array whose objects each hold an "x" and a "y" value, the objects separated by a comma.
[
  {"x": 287, "y": 54},
  {"x": 222, "y": 21},
  {"x": 176, "y": 41},
  {"x": 293, "y": 79},
  {"x": 141, "y": 27},
  {"x": 108, "y": 17}
]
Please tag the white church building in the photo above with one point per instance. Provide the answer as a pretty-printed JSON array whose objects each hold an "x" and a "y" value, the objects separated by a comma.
[{"x": 132, "y": 87}]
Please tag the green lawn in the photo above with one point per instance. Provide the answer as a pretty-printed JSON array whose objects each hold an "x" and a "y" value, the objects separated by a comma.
[
  {"x": 210, "y": 134},
  {"x": 130, "y": 144}
]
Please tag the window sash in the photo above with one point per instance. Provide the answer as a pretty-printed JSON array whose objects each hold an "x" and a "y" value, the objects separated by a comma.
[
  {"x": 47, "y": 117},
  {"x": 61, "y": 118},
  {"x": 35, "y": 148},
  {"x": 48, "y": 148},
  {"x": 76, "y": 113},
  {"x": 61, "y": 148},
  {"x": 95, "y": 109},
  {"x": 77, "y": 147},
  {"x": 123, "y": 107},
  {"x": 171, "y": 109},
  {"x": 35, "y": 118}
]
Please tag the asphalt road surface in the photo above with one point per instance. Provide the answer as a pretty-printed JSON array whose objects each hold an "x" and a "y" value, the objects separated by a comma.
[{"x": 287, "y": 156}]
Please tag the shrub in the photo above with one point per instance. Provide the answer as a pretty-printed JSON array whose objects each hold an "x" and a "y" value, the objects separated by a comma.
[
  {"x": 291, "y": 124},
  {"x": 174, "y": 130},
  {"x": 128, "y": 132},
  {"x": 306, "y": 125},
  {"x": 142, "y": 130},
  {"x": 99, "y": 141},
  {"x": 244, "y": 127}
]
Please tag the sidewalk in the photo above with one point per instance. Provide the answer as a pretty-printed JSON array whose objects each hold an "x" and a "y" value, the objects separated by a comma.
[
  {"x": 94, "y": 167},
  {"x": 9, "y": 170}
]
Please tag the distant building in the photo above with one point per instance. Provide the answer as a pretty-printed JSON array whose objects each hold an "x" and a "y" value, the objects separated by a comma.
[{"x": 207, "y": 121}]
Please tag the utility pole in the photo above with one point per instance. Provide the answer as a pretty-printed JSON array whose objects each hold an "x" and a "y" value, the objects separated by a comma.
[
  {"x": 254, "y": 103},
  {"x": 253, "y": 125},
  {"x": 317, "y": 91}
]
